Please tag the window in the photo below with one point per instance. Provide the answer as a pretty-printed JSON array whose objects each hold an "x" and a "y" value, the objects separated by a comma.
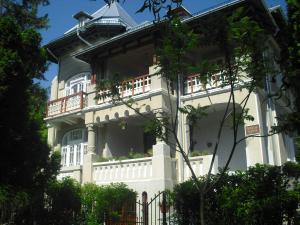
[{"x": 73, "y": 144}]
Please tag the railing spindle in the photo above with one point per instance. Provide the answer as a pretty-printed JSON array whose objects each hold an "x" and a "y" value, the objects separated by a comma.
[
  {"x": 81, "y": 100},
  {"x": 133, "y": 81},
  {"x": 143, "y": 84}
]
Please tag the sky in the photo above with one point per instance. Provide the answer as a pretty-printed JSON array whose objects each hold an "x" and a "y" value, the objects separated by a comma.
[{"x": 60, "y": 14}]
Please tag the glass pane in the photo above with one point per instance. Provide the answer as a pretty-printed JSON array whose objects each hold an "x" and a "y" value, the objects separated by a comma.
[
  {"x": 71, "y": 155},
  {"x": 64, "y": 157},
  {"x": 76, "y": 135},
  {"x": 78, "y": 154}
]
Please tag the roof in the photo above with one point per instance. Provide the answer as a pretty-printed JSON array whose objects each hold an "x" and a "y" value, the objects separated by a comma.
[
  {"x": 150, "y": 25},
  {"x": 115, "y": 10},
  {"x": 108, "y": 15}
]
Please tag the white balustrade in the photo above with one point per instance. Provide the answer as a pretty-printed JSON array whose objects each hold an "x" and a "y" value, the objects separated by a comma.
[
  {"x": 194, "y": 84},
  {"x": 122, "y": 171},
  {"x": 136, "y": 86},
  {"x": 72, "y": 172},
  {"x": 200, "y": 166},
  {"x": 66, "y": 104}
]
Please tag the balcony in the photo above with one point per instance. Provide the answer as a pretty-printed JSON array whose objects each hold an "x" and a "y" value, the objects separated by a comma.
[
  {"x": 194, "y": 84},
  {"x": 66, "y": 104},
  {"x": 139, "y": 87},
  {"x": 128, "y": 88}
]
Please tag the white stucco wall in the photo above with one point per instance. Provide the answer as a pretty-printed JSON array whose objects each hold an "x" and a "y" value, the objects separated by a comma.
[{"x": 206, "y": 132}]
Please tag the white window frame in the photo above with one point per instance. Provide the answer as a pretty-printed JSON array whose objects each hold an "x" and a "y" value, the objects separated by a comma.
[
  {"x": 73, "y": 149},
  {"x": 77, "y": 83}
]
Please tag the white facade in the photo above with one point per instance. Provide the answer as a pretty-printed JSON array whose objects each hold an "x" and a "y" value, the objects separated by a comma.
[{"x": 86, "y": 130}]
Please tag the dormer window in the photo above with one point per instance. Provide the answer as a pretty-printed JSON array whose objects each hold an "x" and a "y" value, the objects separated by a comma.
[{"x": 77, "y": 84}]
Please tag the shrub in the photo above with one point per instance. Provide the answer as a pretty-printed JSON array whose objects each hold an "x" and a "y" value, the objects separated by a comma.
[
  {"x": 262, "y": 195},
  {"x": 102, "y": 202}
]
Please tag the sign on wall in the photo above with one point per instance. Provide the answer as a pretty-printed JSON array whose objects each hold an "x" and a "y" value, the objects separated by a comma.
[{"x": 253, "y": 129}]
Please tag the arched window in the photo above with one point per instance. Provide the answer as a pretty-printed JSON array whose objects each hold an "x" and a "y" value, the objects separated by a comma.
[
  {"x": 77, "y": 83},
  {"x": 73, "y": 144}
]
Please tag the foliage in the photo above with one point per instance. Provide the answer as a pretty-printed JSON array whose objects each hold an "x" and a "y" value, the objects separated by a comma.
[
  {"x": 199, "y": 153},
  {"x": 67, "y": 202},
  {"x": 261, "y": 195},
  {"x": 101, "y": 202},
  {"x": 63, "y": 202},
  {"x": 132, "y": 155},
  {"x": 290, "y": 62},
  {"x": 24, "y": 164}
]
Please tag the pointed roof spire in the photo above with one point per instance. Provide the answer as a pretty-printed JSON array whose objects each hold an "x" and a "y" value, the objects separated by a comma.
[{"x": 113, "y": 10}]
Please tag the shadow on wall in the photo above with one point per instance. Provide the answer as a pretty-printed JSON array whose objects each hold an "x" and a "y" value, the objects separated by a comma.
[{"x": 204, "y": 138}]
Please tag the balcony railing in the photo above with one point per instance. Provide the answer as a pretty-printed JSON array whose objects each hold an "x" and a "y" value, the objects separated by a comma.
[
  {"x": 200, "y": 165},
  {"x": 66, "y": 104},
  {"x": 194, "y": 84},
  {"x": 128, "y": 88},
  {"x": 122, "y": 171}
]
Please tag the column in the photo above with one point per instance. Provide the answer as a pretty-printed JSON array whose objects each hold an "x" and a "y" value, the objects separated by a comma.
[
  {"x": 157, "y": 81},
  {"x": 160, "y": 116},
  {"x": 90, "y": 156},
  {"x": 254, "y": 145},
  {"x": 162, "y": 164},
  {"x": 91, "y": 138},
  {"x": 162, "y": 167}
]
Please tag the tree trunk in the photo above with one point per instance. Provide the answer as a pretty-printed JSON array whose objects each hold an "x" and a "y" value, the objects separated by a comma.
[{"x": 202, "y": 220}]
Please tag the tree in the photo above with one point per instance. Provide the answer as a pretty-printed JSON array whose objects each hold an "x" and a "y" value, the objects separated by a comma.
[
  {"x": 24, "y": 163},
  {"x": 290, "y": 63}
]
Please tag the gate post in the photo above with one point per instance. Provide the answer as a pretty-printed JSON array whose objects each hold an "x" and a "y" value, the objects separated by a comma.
[
  {"x": 145, "y": 208},
  {"x": 164, "y": 207}
]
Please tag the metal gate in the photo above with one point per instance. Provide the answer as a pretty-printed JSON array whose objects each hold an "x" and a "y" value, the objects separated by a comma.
[{"x": 159, "y": 210}]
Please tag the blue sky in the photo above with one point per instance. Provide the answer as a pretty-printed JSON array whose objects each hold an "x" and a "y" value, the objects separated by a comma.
[{"x": 60, "y": 14}]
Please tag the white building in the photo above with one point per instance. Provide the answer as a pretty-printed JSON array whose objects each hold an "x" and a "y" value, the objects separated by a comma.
[{"x": 85, "y": 130}]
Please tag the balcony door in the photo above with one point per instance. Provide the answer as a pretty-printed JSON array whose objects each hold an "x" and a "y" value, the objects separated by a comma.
[
  {"x": 77, "y": 83},
  {"x": 73, "y": 146}
]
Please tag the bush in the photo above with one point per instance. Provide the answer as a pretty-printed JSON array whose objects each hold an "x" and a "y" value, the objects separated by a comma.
[
  {"x": 63, "y": 201},
  {"x": 263, "y": 195},
  {"x": 102, "y": 202},
  {"x": 69, "y": 203}
]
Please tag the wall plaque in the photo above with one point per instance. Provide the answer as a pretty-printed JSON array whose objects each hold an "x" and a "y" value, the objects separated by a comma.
[{"x": 254, "y": 129}]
